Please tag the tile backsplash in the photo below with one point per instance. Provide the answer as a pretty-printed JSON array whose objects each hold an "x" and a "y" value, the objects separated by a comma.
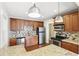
[{"x": 27, "y": 30}]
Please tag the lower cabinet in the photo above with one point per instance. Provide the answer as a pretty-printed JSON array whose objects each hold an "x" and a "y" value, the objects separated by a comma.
[
  {"x": 12, "y": 42},
  {"x": 31, "y": 40},
  {"x": 70, "y": 46}
]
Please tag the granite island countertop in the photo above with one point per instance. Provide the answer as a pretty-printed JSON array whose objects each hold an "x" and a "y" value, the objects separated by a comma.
[{"x": 50, "y": 50}]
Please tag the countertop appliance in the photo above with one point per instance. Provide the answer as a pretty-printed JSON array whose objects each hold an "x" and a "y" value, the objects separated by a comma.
[{"x": 41, "y": 35}]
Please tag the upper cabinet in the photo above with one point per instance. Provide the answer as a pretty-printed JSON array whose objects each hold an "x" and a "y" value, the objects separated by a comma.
[
  {"x": 18, "y": 24},
  {"x": 68, "y": 23},
  {"x": 37, "y": 24},
  {"x": 71, "y": 22},
  {"x": 13, "y": 26},
  {"x": 75, "y": 22},
  {"x": 40, "y": 24}
]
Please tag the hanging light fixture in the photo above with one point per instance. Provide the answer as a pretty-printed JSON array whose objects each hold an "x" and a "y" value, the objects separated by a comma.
[
  {"x": 34, "y": 11},
  {"x": 59, "y": 17}
]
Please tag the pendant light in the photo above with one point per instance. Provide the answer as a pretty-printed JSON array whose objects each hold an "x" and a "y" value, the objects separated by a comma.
[
  {"x": 59, "y": 17},
  {"x": 34, "y": 11}
]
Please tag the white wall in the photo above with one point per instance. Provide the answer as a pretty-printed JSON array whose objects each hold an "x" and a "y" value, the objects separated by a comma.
[
  {"x": 4, "y": 21},
  {"x": 46, "y": 25},
  {"x": 77, "y": 3}
]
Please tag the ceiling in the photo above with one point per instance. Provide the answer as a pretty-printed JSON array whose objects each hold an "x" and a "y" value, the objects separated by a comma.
[{"x": 48, "y": 9}]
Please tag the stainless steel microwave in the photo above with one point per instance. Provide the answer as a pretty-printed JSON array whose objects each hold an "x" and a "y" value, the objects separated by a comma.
[{"x": 59, "y": 27}]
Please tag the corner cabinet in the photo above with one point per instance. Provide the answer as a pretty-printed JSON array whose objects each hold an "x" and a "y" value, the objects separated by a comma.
[{"x": 71, "y": 22}]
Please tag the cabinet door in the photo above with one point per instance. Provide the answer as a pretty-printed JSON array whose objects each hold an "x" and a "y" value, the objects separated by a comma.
[
  {"x": 31, "y": 23},
  {"x": 78, "y": 49},
  {"x": 13, "y": 24},
  {"x": 27, "y": 41},
  {"x": 21, "y": 24},
  {"x": 70, "y": 46},
  {"x": 35, "y": 25},
  {"x": 26, "y": 23},
  {"x": 12, "y": 42},
  {"x": 18, "y": 24},
  {"x": 68, "y": 23},
  {"x": 75, "y": 22},
  {"x": 34, "y": 40},
  {"x": 40, "y": 24},
  {"x": 71, "y": 22}
]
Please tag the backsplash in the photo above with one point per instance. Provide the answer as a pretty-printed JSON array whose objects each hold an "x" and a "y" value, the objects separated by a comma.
[{"x": 27, "y": 30}]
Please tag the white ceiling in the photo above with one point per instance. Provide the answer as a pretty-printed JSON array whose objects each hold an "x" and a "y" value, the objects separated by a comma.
[{"x": 48, "y": 9}]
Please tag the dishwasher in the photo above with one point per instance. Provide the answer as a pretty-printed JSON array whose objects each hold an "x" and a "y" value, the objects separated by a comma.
[{"x": 20, "y": 40}]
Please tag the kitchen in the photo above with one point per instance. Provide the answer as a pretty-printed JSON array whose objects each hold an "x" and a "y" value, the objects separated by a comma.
[{"x": 57, "y": 28}]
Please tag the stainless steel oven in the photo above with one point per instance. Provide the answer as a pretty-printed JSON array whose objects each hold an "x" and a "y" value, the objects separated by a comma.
[{"x": 56, "y": 42}]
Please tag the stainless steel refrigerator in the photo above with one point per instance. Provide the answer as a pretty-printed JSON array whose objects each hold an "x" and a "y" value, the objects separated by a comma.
[{"x": 41, "y": 35}]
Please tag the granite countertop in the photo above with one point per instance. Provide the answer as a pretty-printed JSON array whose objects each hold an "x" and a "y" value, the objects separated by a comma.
[
  {"x": 73, "y": 38},
  {"x": 50, "y": 50},
  {"x": 72, "y": 41},
  {"x": 22, "y": 37}
]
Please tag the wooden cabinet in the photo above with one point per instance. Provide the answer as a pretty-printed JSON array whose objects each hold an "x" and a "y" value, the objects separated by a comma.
[
  {"x": 31, "y": 40},
  {"x": 18, "y": 24},
  {"x": 37, "y": 24},
  {"x": 71, "y": 22},
  {"x": 12, "y": 42},
  {"x": 13, "y": 25},
  {"x": 75, "y": 21},
  {"x": 70, "y": 46},
  {"x": 78, "y": 49},
  {"x": 40, "y": 24},
  {"x": 67, "y": 23},
  {"x": 26, "y": 23}
]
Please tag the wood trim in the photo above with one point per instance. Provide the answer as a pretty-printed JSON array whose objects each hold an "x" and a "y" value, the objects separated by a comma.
[{"x": 26, "y": 19}]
